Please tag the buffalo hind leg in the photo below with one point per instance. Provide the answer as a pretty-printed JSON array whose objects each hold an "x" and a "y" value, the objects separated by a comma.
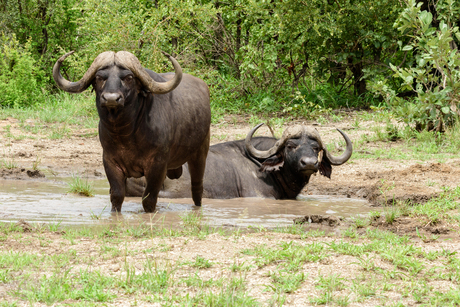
[
  {"x": 154, "y": 181},
  {"x": 196, "y": 167}
]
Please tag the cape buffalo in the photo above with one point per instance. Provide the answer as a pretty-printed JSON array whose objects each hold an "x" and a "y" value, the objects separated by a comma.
[
  {"x": 277, "y": 169},
  {"x": 150, "y": 124}
]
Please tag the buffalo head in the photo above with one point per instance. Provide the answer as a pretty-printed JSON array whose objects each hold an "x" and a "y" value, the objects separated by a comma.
[
  {"x": 116, "y": 78},
  {"x": 299, "y": 151}
]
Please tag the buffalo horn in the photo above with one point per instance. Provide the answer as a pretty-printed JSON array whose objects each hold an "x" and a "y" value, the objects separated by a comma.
[
  {"x": 131, "y": 62},
  {"x": 103, "y": 59},
  {"x": 123, "y": 58},
  {"x": 345, "y": 156},
  {"x": 259, "y": 153}
]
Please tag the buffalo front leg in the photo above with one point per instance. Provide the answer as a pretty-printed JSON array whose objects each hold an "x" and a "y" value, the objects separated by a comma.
[
  {"x": 154, "y": 181},
  {"x": 117, "y": 182},
  {"x": 196, "y": 167}
]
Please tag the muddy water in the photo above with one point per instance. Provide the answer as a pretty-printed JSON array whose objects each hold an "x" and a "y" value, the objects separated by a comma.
[{"x": 47, "y": 201}]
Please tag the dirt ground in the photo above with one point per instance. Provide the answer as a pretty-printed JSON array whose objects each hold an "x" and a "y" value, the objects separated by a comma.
[
  {"x": 37, "y": 157},
  {"x": 377, "y": 180}
]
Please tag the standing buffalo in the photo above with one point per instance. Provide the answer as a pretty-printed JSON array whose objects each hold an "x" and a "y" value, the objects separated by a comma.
[
  {"x": 150, "y": 124},
  {"x": 277, "y": 169}
]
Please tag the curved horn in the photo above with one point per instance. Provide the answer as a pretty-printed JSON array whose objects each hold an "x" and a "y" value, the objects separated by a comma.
[
  {"x": 345, "y": 156},
  {"x": 77, "y": 87},
  {"x": 259, "y": 153},
  {"x": 131, "y": 62}
]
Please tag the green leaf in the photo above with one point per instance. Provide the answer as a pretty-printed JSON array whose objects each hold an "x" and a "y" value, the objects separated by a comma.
[
  {"x": 421, "y": 62},
  {"x": 430, "y": 31},
  {"x": 407, "y": 48},
  {"x": 426, "y": 17},
  {"x": 445, "y": 110}
]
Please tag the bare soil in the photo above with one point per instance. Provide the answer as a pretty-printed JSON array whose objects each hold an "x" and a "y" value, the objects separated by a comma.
[{"x": 380, "y": 181}]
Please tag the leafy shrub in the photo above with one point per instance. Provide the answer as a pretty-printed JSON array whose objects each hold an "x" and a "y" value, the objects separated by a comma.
[
  {"x": 22, "y": 82},
  {"x": 434, "y": 76}
]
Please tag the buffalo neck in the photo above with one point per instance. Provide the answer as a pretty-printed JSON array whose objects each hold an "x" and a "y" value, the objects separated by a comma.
[
  {"x": 126, "y": 122},
  {"x": 289, "y": 184}
]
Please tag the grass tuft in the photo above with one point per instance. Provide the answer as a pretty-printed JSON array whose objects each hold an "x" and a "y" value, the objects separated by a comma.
[{"x": 81, "y": 186}]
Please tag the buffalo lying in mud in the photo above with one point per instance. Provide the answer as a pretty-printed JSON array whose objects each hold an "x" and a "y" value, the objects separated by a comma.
[
  {"x": 150, "y": 124},
  {"x": 277, "y": 169}
]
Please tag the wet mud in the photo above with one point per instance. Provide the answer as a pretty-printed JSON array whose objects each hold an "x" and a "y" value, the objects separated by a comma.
[
  {"x": 47, "y": 201},
  {"x": 374, "y": 182},
  {"x": 390, "y": 182},
  {"x": 20, "y": 174},
  {"x": 327, "y": 204}
]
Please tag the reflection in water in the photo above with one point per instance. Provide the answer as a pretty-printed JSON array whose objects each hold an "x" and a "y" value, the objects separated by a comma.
[{"x": 47, "y": 201}]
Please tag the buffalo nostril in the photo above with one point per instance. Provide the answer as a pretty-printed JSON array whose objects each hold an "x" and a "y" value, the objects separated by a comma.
[
  {"x": 112, "y": 99},
  {"x": 304, "y": 162},
  {"x": 308, "y": 163}
]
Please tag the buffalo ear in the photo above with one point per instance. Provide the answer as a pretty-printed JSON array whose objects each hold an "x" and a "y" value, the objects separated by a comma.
[
  {"x": 272, "y": 164},
  {"x": 325, "y": 167},
  {"x": 144, "y": 92}
]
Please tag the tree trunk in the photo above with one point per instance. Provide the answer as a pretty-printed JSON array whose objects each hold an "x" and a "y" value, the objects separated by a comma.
[
  {"x": 238, "y": 35},
  {"x": 174, "y": 46},
  {"x": 299, "y": 75},
  {"x": 358, "y": 82},
  {"x": 219, "y": 34}
]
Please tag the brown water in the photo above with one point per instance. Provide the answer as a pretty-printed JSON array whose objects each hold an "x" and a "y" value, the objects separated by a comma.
[{"x": 47, "y": 201}]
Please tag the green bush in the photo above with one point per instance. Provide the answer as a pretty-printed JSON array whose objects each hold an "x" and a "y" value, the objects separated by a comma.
[
  {"x": 22, "y": 82},
  {"x": 434, "y": 74}
]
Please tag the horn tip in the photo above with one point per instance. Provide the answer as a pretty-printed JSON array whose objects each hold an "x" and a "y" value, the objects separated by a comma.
[
  {"x": 166, "y": 54},
  {"x": 62, "y": 58}
]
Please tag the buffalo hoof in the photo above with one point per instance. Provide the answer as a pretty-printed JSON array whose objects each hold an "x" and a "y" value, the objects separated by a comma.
[
  {"x": 116, "y": 209},
  {"x": 149, "y": 209}
]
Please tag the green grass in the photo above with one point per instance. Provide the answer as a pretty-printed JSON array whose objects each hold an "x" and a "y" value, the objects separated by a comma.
[
  {"x": 195, "y": 280},
  {"x": 74, "y": 274},
  {"x": 55, "y": 117},
  {"x": 291, "y": 253},
  {"x": 54, "y": 226},
  {"x": 239, "y": 267},
  {"x": 201, "y": 263},
  {"x": 408, "y": 143},
  {"x": 61, "y": 108},
  {"x": 84, "y": 285},
  {"x": 81, "y": 186},
  {"x": 286, "y": 282}
]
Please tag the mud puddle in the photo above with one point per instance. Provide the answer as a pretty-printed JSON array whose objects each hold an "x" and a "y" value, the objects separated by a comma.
[{"x": 49, "y": 202}]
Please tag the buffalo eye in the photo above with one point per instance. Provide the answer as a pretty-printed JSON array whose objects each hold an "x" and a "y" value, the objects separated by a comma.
[
  {"x": 99, "y": 80},
  {"x": 128, "y": 78},
  {"x": 291, "y": 146}
]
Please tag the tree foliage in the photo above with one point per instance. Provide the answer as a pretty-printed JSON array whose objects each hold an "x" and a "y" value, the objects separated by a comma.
[
  {"x": 22, "y": 82},
  {"x": 434, "y": 74},
  {"x": 266, "y": 55}
]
